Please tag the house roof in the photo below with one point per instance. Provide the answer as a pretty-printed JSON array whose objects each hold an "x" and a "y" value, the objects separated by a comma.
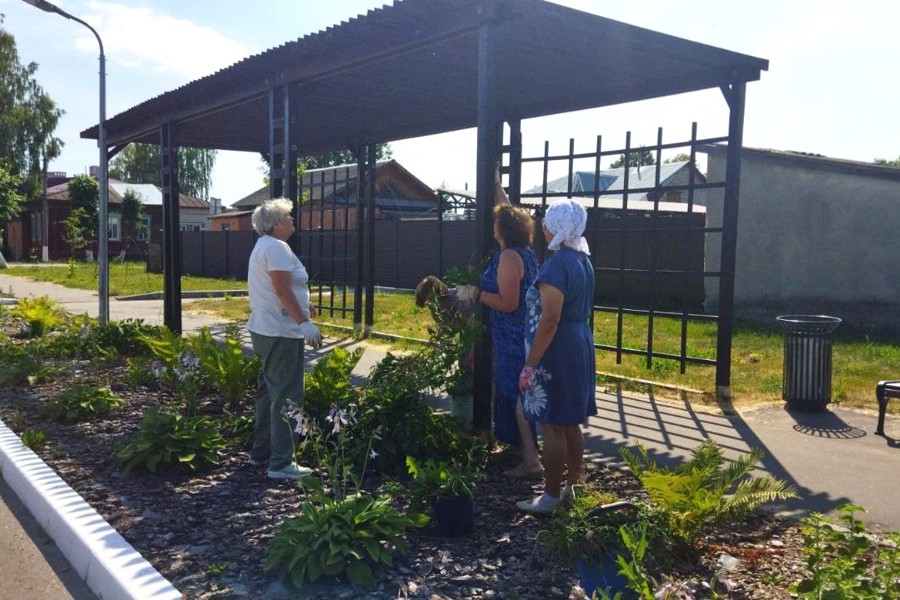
[
  {"x": 412, "y": 69},
  {"x": 150, "y": 194},
  {"x": 331, "y": 183},
  {"x": 613, "y": 180},
  {"x": 813, "y": 161}
]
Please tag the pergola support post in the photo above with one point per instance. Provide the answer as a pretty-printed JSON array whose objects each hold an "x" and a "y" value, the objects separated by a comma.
[
  {"x": 490, "y": 141},
  {"x": 168, "y": 153},
  {"x": 735, "y": 95},
  {"x": 370, "y": 237}
]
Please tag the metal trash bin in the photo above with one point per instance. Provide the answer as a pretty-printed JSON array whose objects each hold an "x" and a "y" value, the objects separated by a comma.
[{"x": 806, "y": 384}]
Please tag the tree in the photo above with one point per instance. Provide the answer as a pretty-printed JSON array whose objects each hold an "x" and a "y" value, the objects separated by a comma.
[
  {"x": 888, "y": 163},
  {"x": 140, "y": 163},
  {"x": 343, "y": 157},
  {"x": 84, "y": 199},
  {"x": 10, "y": 201},
  {"x": 636, "y": 158},
  {"x": 680, "y": 157},
  {"x": 28, "y": 118},
  {"x": 132, "y": 209}
]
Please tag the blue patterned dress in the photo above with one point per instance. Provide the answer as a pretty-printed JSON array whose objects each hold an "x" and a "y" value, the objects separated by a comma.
[
  {"x": 566, "y": 376},
  {"x": 508, "y": 335}
]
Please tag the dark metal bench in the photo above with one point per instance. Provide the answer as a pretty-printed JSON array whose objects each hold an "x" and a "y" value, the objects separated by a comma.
[{"x": 884, "y": 391}]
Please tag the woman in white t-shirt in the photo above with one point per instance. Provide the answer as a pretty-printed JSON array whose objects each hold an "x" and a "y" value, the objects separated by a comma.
[{"x": 280, "y": 322}]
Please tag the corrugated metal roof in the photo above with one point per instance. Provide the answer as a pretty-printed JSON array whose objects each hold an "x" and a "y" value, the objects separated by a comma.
[
  {"x": 411, "y": 69},
  {"x": 613, "y": 180}
]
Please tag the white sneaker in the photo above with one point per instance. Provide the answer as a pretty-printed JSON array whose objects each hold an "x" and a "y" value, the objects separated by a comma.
[
  {"x": 292, "y": 471},
  {"x": 543, "y": 504}
]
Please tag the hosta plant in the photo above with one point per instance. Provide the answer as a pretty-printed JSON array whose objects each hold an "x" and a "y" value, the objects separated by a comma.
[
  {"x": 83, "y": 402},
  {"x": 328, "y": 383},
  {"x": 171, "y": 440},
  {"x": 339, "y": 538},
  {"x": 707, "y": 489}
]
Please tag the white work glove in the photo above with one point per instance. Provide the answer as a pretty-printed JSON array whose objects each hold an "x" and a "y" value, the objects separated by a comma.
[
  {"x": 467, "y": 293},
  {"x": 311, "y": 333}
]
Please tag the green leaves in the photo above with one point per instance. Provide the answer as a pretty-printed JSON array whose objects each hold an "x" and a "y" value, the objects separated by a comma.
[
  {"x": 83, "y": 402},
  {"x": 441, "y": 479},
  {"x": 844, "y": 560},
  {"x": 707, "y": 489},
  {"x": 336, "y": 538},
  {"x": 40, "y": 314},
  {"x": 171, "y": 440}
]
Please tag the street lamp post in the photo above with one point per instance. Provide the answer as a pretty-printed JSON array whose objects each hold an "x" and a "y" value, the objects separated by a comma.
[{"x": 103, "y": 234}]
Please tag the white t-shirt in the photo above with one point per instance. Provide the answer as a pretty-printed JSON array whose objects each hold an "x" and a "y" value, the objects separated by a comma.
[{"x": 267, "y": 315}]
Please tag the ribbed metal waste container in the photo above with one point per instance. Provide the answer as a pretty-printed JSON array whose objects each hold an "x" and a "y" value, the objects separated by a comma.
[{"x": 808, "y": 342}]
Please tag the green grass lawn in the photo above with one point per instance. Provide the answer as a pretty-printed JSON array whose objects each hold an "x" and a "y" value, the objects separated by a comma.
[
  {"x": 125, "y": 279},
  {"x": 860, "y": 359}
]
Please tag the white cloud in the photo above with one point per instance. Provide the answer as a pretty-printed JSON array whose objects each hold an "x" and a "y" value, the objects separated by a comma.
[{"x": 143, "y": 37}]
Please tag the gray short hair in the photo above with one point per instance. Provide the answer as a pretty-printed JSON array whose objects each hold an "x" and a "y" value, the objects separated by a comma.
[{"x": 270, "y": 212}]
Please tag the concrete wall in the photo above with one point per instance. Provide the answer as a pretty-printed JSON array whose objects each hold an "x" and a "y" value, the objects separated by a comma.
[{"x": 815, "y": 235}]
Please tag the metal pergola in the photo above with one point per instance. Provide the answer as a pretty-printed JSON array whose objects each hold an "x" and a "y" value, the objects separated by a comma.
[{"x": 420, "y": 67}]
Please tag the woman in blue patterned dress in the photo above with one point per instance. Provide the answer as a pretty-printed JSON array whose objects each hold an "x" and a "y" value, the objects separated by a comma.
[
  {"x": 558, "y": 380},
  {"x": 503, "y": 286}
]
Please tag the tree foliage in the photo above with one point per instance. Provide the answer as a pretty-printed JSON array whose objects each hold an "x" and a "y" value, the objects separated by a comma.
[
  {"x": 84, "y": 194},
  {"x": 28, "y": 118},
  {"x": 636, "y": 158},
  {"x": 141, "y": 163},
  {"x": 343, "y": 157},
  {"x": 680, "y": 157},
  {"x": 888, "y": 163},
  {"x": 132, "y": 208},
  {"x": 10, "y": 198}
]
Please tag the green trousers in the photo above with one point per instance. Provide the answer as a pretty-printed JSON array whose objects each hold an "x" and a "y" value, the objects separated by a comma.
[{"x": 280, "y": 381}]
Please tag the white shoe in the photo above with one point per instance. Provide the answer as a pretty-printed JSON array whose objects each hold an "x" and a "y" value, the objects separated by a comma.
[
  {"x": 292, "y": 471},
  {"x": 542, "y": 505}
]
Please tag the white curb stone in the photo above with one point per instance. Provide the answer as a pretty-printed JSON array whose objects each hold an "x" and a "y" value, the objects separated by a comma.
[{"x": 109, "y": 565}]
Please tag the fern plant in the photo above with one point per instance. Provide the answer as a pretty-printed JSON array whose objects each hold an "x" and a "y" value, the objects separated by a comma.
[
  {"x": 225, "y": 366},
  {"x": 707, "y": 489},
  {"x": 40, "y": 315}
]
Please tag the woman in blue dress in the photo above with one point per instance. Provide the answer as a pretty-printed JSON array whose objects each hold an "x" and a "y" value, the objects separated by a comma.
[
  {"x": 503, "y": 285},
  {"x": 558, "y": 379}
]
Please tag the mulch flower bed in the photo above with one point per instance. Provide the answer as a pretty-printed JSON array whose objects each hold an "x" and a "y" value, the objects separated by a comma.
[{"x": 208, "y": 532}]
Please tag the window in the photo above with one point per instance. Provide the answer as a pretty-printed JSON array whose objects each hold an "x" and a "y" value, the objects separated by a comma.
[
  {"x": 192, "y": 227},
  {"x": 143, "y": 233},
  {"x": 37, "y": 227},
  {"x": 225, "y": 227},
  {"x": 114, "y": 231}
]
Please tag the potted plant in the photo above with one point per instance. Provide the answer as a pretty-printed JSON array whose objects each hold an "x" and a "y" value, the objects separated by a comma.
[
  {"x": 451, "y": 360},
  {"x": 450, "y": 490},
  {"x": 591, "y": 535}
]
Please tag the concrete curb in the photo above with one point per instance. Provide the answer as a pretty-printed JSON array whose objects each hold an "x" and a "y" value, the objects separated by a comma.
[{"x": 109, "y": 565}]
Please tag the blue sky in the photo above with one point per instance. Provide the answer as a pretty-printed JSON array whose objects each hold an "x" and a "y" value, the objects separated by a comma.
[{"x": 832, "y": 86}]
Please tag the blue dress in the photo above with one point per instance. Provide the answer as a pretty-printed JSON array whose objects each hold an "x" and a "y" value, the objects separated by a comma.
[
  {"x": 508, "y": 336},
  {"x": 566, "y": 376}
]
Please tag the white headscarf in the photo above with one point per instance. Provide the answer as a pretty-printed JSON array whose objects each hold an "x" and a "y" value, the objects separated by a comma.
[{"x": 566, "y": 220}]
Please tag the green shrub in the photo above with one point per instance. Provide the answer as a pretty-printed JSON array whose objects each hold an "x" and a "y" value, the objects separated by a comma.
[
  {"x": 82, "y": 402},
  {"x": 433, "y": 480},
  {"x": 85, "y": 338},
  {"x": 34, "y": 439},
  {"x": 40, "y": 315},
  {"x": 346, "y": 537},
  {"x": 843, "y": 560},
  {"x": 236, "y": 429},
  {"x": 328, "y": 383},
  {"x": 171, "y": 440},
  {"x": 706, "y": 490},
  {"x": 19, "y": 366}
]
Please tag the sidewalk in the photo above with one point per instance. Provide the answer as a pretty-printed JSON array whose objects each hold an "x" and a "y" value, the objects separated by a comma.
[{"x": 831, "y": 457}]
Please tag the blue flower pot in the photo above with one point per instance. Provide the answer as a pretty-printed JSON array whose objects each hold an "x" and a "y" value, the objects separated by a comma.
[{"x": 603, "y": 577}]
